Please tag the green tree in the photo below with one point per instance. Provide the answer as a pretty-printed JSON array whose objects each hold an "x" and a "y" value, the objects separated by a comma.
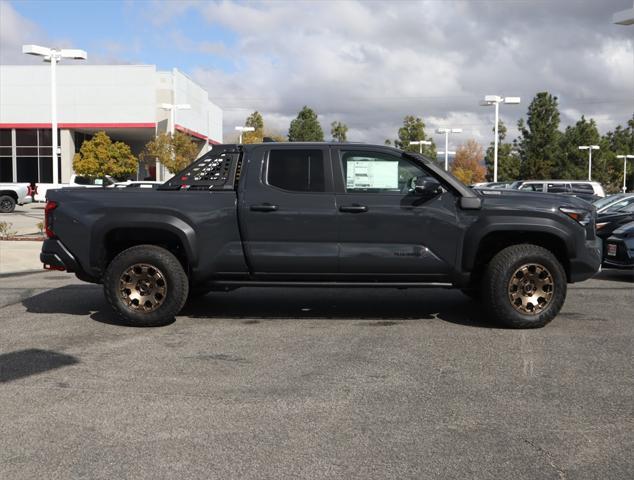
[
  {"x": 539, "y": 137},
  {"x": 256, "y": 121},
  {"x": 339, "y": 131},
  {"x": 620, "y": 141},
  {"x": 306, "y": 127},
  {"x": 572, "y": 163},
  {"x": 508, "y": 160},
  {"x": 99, "y": 157},
  {"x": 413, "y": 129},
  {"x": 175, "y": 152}
]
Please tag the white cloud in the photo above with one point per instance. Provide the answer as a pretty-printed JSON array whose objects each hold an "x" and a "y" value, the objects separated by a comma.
[
  {"x": 371, "y": 63},
  {"x": 15, "y": 30}
]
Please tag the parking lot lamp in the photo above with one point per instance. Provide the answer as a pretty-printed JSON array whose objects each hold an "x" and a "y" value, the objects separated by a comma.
[
  {"x": 420, "y": 144},
  {"x": 589, "y": 148},
  {"x": 54, "y": 55},
  {"x": 496, "y": 100},
  {"x": 244, "y": 129},
  {"x": 625, "y": 157},
  {"x": 446, "y": 132}
]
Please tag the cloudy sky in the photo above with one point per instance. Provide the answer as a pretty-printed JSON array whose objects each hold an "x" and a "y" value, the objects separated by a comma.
[{"x": 366, "y": 63}]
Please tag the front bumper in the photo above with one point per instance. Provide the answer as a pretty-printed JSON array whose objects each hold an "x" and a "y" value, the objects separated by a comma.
[
  {"x": 587, "y": 262},
  {"x": 55, "y": 256},
  {"x": 624, "y": 255}
]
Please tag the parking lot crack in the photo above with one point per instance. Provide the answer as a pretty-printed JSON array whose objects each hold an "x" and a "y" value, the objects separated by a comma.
[{"x": 549, "y": 458}]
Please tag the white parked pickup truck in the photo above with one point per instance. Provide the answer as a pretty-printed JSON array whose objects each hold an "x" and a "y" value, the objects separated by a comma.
[
  {"x": 12, "y": 194},
  {"x": 75, "y": 181}
]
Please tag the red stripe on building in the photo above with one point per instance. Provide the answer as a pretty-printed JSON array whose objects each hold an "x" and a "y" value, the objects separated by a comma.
[
  {"x": 200, "y": 136},
  {"x": 78, "y": 125}
]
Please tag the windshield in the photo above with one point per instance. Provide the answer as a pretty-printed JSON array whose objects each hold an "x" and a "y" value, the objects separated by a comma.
[
  {"x": 620, "y": 205},
  {"x": 602, "y": 202}
]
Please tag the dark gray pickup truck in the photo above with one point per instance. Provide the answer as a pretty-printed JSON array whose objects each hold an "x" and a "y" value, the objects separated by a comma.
[{"x": 320, "y": 214}]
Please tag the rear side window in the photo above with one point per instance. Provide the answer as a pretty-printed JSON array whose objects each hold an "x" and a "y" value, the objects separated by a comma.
[
  {"x": 582, "y": 188},
  {"x": 533, "y": 187},
  {"x": 296, "y": 170},
  {"x": 558, "y": 188}
]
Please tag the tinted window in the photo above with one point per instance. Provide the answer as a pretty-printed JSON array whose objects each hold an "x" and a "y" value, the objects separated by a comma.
[
  {"x": 378, "y": 173},
  {"x": 296, "y": 170},
  {"x": 533, "y": 187},
  {"x": 582, "y": 188},
  {"x": 558, "y": 188}
]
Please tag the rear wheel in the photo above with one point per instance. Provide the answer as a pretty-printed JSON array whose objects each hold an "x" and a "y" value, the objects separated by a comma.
[
  {"x": 7, "y": 204},
  {"x": 524, "y": 286},
  {"x": 146, "y": 285}
]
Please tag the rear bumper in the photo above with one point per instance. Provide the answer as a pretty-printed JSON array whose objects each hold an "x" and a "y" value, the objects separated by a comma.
[
  {"x": 55, "y": 256},
  {"x": 587, "y": 262}
]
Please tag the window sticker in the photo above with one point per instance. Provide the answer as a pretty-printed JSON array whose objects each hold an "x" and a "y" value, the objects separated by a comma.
[{"x": 365, "y": 174}]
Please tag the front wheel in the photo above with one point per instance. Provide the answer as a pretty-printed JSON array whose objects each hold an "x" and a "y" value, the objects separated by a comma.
[
  {"x": 7, "y": 204},
  {"x": 146, "y": 285},
  {"x": 524, "y": 286}
]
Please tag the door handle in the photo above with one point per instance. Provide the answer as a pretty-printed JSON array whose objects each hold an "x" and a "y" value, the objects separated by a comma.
[
  {"x": 353, "y": 208},
  {"x": 265, "y": 207}
]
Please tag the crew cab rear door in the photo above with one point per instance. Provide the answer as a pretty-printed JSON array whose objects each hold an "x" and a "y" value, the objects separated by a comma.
[
  {"x": 287, "y": 211},
  {"x": 386, "y": 230}
]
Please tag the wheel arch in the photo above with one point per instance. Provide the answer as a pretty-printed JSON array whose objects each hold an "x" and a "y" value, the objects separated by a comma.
[
  {"x": 10, "y": 193},
  {"x": 490, "y": 242},
  {"x": 118, "y": 238}
]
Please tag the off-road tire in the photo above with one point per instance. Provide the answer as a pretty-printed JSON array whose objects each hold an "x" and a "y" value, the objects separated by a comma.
[
  {"x": 176, "y": 285},
  {"x": 497, "y": 283},
  {"x": 7, "y": 204}
]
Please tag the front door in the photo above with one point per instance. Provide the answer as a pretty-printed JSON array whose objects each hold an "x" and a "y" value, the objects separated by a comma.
[
  {"x": 287, "y": 212},
  {"x": 386, "y": 229}
]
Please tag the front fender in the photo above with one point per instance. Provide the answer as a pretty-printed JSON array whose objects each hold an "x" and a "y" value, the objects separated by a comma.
[{"x": 502, "y": 224}]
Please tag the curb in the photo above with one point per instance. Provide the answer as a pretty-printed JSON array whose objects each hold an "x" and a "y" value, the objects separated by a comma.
[
  {"x": 23, "y": 239},
  {"x": 20, "y": 273}
]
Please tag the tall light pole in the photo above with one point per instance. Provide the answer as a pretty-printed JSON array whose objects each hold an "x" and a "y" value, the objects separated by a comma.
[
  {"x": 54, "y": 55},
  {"x": 496, "y": 100},
  {"x": 244, "y": 129},
  {"x": 446, "y": 132},
  {"x": 589, "y": 148},
  {"x": 171, "y": 107},
  {"x": 625, "y": 157},
  {"x": 420, "y": 143}
]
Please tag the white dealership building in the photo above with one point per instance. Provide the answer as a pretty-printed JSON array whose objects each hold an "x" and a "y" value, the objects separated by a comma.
[{"x": 126, "y": 101}]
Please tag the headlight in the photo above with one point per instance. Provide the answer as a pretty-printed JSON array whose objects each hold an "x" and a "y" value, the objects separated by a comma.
[
  {"x": 601, "y": 225},
  {"x": 579, "y": 215}
]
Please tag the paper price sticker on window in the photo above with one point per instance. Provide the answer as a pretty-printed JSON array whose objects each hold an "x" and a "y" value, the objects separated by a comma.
[{"x": 364, "y": 174}]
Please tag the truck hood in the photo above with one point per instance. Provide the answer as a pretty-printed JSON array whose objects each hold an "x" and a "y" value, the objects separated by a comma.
[{"x": 499, "y": 198}]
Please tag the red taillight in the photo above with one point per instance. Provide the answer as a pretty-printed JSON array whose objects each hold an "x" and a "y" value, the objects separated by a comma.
[{"x": 48, "y": 223}]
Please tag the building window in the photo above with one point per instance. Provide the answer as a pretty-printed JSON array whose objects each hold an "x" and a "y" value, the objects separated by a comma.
[
  {"x": 34, "y": 155},
  {"x": 6, "y": 156},
  {"x": 80, "y": 138}
]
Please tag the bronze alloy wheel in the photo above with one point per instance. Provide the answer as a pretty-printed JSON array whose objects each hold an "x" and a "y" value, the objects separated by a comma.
[
  {"x": 143, "y": 287},
  {"x": 531, "y": 289}
]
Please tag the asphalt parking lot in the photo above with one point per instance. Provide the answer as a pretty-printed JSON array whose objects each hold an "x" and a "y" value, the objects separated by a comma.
[{"x": 269, "y": 384}]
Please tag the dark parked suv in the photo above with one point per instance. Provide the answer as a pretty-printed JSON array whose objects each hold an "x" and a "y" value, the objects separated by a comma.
[{"x": 320, "y": 214}]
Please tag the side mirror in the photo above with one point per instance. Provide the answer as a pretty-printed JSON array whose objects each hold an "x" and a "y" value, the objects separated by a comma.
[
  {"x": 470, "y": 203},
  {"x": 427, "y": 186}
]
